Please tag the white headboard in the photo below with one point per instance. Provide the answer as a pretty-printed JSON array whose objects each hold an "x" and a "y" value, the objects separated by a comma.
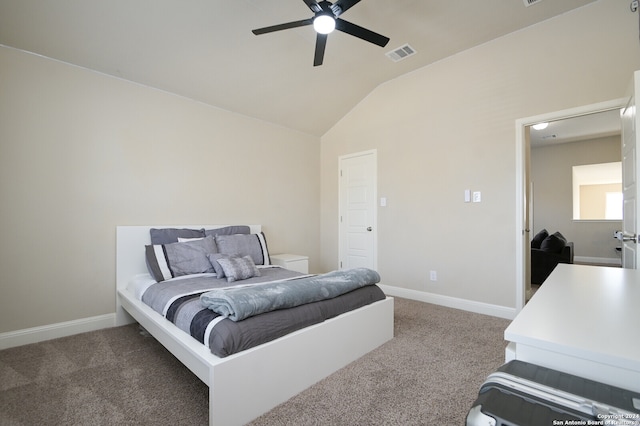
[{"x": 130, "y": 254}]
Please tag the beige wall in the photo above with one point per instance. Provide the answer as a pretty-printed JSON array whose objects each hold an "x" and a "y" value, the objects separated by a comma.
[
  {"x": 81, "y": 153},
  {"x": 553, "y": 194},
  {"x": 593, "y": 205},
  {"x": 450, "y": 127}
]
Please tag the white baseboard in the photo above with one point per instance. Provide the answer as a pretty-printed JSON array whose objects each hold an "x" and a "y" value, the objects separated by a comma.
[
  {"x": 598, "y": 260},
  {"x": 451, "y": 302},
  {"x": 53, "y": 331}
]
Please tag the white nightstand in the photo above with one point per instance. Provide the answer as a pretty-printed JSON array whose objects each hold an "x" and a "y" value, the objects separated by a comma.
[{"x": 295, "y": 262}]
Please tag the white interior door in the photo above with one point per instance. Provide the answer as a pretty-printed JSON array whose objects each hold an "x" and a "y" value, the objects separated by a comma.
[
  {"x": 358, "y": 219},
  {"x": 630, "y": 187}
]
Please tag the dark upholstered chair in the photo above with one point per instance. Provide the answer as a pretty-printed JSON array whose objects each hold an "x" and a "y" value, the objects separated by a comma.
[{"x": 546, "y": 252}]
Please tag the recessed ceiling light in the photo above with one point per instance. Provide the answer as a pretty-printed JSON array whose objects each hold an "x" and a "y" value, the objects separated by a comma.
[{"x": 540, "y": 126}]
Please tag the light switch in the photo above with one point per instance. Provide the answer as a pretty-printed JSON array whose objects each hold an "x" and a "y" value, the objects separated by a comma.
[
  {"x": 383, "y": 201},
  {"x": 477, "y": 196},
  {"x": 467, "y": 195}
]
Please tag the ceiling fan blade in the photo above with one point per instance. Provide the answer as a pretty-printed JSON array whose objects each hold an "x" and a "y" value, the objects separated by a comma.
[
  {"x": 313, "y": 5},
  {"x": 345, "y": 5},
  {"x": 363, "y": 33},
  {"x": 321, "y": 43},
  {"x": 280, "y": 27}
]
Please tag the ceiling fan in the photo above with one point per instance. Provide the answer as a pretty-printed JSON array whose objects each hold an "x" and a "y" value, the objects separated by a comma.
[{"x": 325, "y": 20}]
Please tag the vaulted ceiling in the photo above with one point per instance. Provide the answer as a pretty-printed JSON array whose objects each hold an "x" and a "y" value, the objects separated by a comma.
[{"x": 205, "y": 50}]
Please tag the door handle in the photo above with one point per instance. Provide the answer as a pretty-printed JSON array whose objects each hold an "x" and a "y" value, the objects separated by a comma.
[
  {"x": 369, "y": 229},
  {"x": 626, "y": 237}
]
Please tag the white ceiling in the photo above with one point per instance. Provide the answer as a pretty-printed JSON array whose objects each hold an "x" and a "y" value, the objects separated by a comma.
[
  {"x": 204, "y": 49},
  {"x": 590, "y": 126}
]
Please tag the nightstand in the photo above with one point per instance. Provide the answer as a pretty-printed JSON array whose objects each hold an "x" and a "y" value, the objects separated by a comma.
[{"x": 294, "y": 262}]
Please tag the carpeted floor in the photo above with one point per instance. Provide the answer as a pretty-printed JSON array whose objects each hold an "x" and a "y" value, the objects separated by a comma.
[{"x": 428, "y": 374}]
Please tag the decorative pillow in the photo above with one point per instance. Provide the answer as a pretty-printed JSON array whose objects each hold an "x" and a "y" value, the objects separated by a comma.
[
  {"x": 559, "y": 235},
  {"x": 171, "y": 235},
  {"x": 539, "y": 238},
  {"x": 254, "y": 245},
  {"x": 238, "y": 268},
  {"x": 228, "y": 230},
  {"x": 166, "y": 261},
  {"x": 554, "y": 243},
  {"x": 157, "y": 262},
  {"x": 213, "y": 258}
]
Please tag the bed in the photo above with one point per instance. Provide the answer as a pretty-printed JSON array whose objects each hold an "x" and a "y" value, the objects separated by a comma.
[{"x": 241, "y": 385}]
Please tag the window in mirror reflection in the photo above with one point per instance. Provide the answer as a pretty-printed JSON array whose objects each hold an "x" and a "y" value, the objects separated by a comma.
[{"x": 597, "y": 191}]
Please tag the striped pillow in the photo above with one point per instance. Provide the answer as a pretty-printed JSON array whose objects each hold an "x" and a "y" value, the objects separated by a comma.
[
  {"x": 166, "y": 261},
  {"x": 254, "y": 245}
]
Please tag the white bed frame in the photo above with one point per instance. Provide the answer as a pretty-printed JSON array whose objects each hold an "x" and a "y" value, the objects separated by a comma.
[{"x": 248, "y": 384}]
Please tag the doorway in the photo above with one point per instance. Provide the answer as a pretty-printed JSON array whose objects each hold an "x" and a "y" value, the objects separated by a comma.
[{"x": 523, "y": 187}]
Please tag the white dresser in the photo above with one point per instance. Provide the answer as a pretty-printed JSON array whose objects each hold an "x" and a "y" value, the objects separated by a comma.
[
  {"x": 584, "y": 320},
  {"x": 295, "y": 262}
]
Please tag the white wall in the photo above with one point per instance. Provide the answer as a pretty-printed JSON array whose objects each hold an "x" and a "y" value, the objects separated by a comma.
[
  {"x": 81, "y": 153},
  {"x": 450, "y": 127}
]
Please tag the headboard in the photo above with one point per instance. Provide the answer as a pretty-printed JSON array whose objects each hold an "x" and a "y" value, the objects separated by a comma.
[{"x": 130, "y": 242}]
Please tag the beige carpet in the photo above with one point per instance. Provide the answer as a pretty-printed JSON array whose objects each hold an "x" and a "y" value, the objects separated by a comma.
[{"x": 428, "y": 374}]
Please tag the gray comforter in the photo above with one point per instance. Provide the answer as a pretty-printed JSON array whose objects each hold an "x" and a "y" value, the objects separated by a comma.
[
  {"x": 178, "y": 300},
  {"x": 240, "y": 302}
]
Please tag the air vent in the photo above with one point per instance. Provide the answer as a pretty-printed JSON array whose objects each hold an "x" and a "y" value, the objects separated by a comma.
[
  {"x": 401, "y": 53},
  {"x": 530, "y": 2}
]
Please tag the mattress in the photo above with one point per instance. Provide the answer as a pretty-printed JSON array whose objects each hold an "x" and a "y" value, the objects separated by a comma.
[{"x": 178, "y": 300}]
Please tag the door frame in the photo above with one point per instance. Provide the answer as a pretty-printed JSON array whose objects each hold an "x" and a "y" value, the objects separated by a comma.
[
  {"x": 374, "y": 153},
  {"x": 627, "y": 222},
  {"x": 522, "y": 156}
]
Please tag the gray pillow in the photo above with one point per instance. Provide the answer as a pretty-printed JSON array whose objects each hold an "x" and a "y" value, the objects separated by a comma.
[
  {"x": 173, "y": 260},
  {"x": 213, "y": 258},
  {"x": 238, "y": 268},
  {"x": 171, "y": 235},
  {"x": 157, "y": 262},
  {"x": 228, "y": 230},
  {"x": 254, "y": 245}
]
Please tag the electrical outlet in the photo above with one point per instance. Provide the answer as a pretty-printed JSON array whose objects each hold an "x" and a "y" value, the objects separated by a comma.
[{"x": 433, "y": 275}]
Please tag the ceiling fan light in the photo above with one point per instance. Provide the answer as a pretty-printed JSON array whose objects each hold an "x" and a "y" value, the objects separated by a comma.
[{"x": 324, "y": 24}]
